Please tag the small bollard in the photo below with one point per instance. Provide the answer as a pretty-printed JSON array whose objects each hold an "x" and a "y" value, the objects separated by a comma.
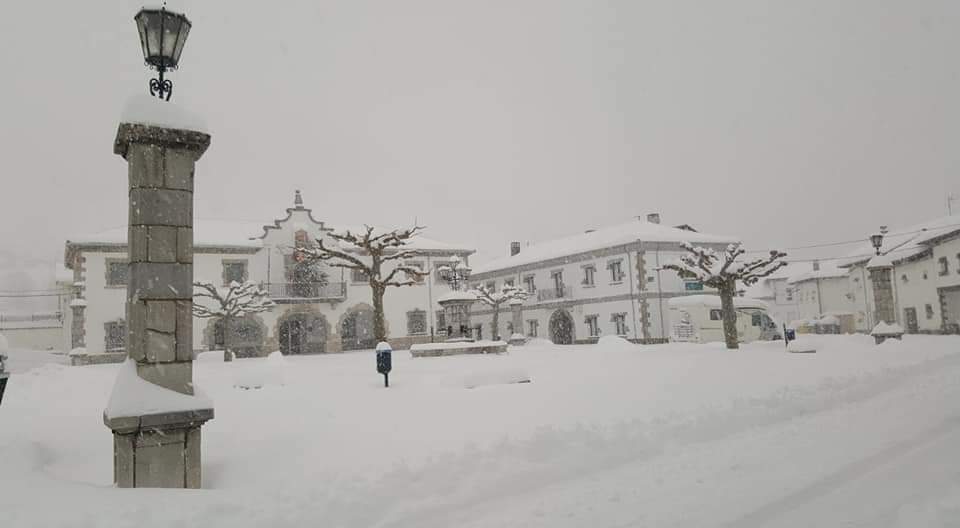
[{"x": 384, "y": 361}]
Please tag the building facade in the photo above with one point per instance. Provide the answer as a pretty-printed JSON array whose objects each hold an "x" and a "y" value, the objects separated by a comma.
[
  {"x": 914, "y": 281},
  {"x": 607, "y": 281},
  {"x": 310, "y": 316}
]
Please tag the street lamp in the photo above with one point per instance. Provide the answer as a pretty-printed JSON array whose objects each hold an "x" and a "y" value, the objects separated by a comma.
[
  {"x": 162, "y": 36},
  {"x": 454, "y": 272},
  {"x": 877, "y": 241}
]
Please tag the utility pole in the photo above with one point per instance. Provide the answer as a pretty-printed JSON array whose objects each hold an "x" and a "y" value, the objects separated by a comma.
[{"x": 950, "y": 199}]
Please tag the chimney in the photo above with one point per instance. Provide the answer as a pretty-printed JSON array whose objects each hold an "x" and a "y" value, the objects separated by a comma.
[
  {"x": 816, "y": 265},
  {"x": 514, "y": 248},
  {"x": 653, "y": 218}
]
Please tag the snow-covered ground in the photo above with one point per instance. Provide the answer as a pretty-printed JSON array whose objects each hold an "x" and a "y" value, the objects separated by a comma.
[{"x": 610, "y": 435}]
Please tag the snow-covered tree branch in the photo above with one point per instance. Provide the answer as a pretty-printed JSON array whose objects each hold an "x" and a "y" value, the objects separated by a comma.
[
  {"x": 494, "y": 299},
  {"x": 379, "y": 247},
  {"x": 722, "y": 271},
  {"x": 227, "y": 304}
]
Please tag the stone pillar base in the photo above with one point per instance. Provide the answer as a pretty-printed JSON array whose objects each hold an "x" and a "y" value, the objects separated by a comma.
[{"x": 158, "y": 450}]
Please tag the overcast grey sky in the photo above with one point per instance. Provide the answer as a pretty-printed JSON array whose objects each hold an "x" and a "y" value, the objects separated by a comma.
[{"x": 785, "y": 123}]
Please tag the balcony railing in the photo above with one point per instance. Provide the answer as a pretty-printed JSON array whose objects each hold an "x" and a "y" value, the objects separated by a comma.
[
  {"x": 291, "y": 292},
  {"x": 554, "y": 294}
]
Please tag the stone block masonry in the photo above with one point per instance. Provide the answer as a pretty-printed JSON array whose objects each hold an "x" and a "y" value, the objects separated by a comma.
[{"x": 160, "y": 450}]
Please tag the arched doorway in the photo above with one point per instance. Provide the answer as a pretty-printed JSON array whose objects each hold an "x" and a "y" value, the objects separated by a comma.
[
  {"x": 303, "y": 333},
  {"x": 561, "y": 328},
  {"x": 356, "y": 329}
]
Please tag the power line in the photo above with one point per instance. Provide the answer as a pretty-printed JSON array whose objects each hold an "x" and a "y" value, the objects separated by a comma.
[{"x": 859, "y": 240}]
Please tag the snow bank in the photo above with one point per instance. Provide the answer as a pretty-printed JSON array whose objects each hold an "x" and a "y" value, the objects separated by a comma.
[
  {"x": 79, "y": 351},
  {"x": 445, "y": 345},
  {"x": 134, "y": 396},
  {"x": 539, "y": 342},
  {"x": 883, "y": 328},
  {"x": 503, "y": 376},
  {"x": 148, "y": 110},
  {"x": 256, "y": 373},
  {"x": 457, "y": 296},
  {"x": 614, "y": 342},
  {"x": 802, "y": 345}
]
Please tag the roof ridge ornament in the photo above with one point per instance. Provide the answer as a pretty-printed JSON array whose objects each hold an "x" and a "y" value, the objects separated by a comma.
[{"x": 298, "y": 200}]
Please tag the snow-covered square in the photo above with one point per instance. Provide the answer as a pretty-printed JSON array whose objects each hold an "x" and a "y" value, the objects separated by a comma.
[{"x": 612, "y": 434}]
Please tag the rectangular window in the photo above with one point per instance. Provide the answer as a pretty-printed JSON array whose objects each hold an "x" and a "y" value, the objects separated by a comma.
[
  {"x": 616, "y": 270},
  {"x": 532, "y": 327},
  {"x": 756, "y": 320},
  {"x": 944, "y": 266},
  {"x": 593, "y": 325},
  {"x": 115, "y": 336},
  {"x": 416, "y": 322},
  {"x": 588, "y": 273},
  {"x": 358, "y": 275},
  {"x": 491, "y": 286},
  {"x": 929, "y": 311},
  {"x": 529, "y": 284},
  {"x": 716, "y": 315},
  {"x": 234, "y": 271},
  {"x": 557, "y": 277},
  {"x": 117, "y": 272},
  {"x": 619, "y": 321},
  {"x": 789, "y": 294},
  {"x": 508, "y": 283}
]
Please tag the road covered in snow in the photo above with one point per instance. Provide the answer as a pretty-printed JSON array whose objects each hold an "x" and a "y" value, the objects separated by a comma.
[{"x": 611, "y": 435}]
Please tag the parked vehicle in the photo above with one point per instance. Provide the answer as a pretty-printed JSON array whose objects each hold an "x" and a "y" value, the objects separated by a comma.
[{"x": 698, "y": 319}]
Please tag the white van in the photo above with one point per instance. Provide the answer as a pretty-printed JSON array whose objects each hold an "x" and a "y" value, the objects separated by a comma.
[{"x": 698, "y": 319}]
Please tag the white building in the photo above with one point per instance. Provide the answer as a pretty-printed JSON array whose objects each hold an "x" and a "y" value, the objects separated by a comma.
[
  {"x": 309, "y": 317},
  {"x": 916, "y": 279},
  {"x": 776, "y": 291},
  {"x": 824, "y": 291},
  {"x": 606, "y": 281}
]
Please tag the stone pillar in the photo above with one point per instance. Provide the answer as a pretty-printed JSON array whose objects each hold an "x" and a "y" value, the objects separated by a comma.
[
  {"x": 881, "y": 278},
  {"x": 77, "y": 326},
  {"x": 160, "y": 449}
]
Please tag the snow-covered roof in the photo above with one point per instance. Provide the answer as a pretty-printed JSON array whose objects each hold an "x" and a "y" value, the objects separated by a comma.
[
  {"x": 210, "y": 233},
  {"x": 764, "y": 288},
  {"x": 417, "y": 242},
  {"x": 713, "y": 301},
  {"x": 826, "y": 271},
  {"x": 457, "y": 296},
  {"x": 906, "y": 242},
  {"x": 602, "y": 238}
]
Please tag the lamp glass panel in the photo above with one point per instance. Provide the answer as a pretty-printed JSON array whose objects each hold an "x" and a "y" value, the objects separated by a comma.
[
  {"x": 184, "y": 31},
  {"x": 152, "y": 23},
  {"x": 171, "y": 28},
  {"x": 142, "y": 29}
]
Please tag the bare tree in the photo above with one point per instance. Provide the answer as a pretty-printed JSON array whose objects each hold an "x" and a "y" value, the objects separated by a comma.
[
  {"x": 722, "y": 271},
  {"x": 229, "y": 304},
  {"x": 494, "y": 299},
  {"x": 380, "y": 248}
]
